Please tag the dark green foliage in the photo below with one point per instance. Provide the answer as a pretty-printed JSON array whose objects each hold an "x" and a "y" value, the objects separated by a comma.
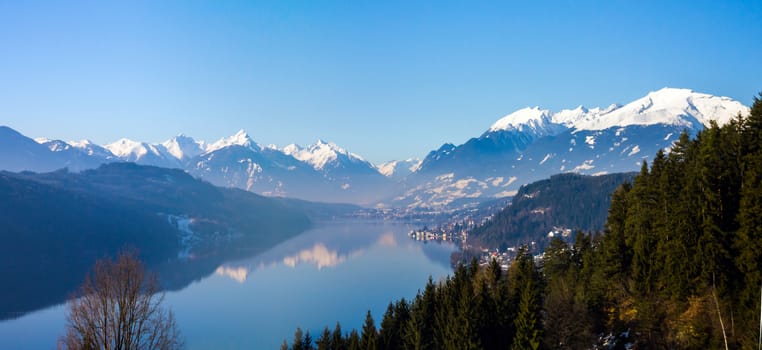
[
  {"x": 368, "y": 337},
  {"x": 324, "y": 342},
  {"x": 353, "y": 340},
  {"x": 473, "y": 309},
  {"x": 391, "y": 334},
  {"x": 682, "y": 248},
  {"x": 528, "y": 320},
  {"x": 566, "y": 200},
  {"x": 679, "y": 265},
  {"x": 298, "y": 336},
  {"x": 307, "y": 342},
  {"x": 337, "y": 339}
]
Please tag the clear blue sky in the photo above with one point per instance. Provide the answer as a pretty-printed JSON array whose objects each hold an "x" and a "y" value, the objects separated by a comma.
[{"x": 387, "y": 80}]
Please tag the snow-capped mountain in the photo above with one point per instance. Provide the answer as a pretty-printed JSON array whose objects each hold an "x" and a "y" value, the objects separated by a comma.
[
  {"x": 19, "y": 153},
  {"x": 399, "y": 169},
  {"x": 322, "y": 154},
  {"x": 184, "y": 147},
  {"x": 143, "y": 153},
  {"x": 321, "y": 172},
  {"x": 93, "y": 150},
  {"x": 241, "y": 138},
  {"x": 521, "y": 147},
  {"x": 533, "y": 143}
]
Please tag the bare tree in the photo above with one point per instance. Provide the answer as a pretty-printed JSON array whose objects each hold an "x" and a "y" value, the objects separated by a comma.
[{"x": 119, "y": 308}]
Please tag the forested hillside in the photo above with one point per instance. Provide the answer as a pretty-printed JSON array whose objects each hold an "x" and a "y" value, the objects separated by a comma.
[
  {"x": 678, "y": 267},
  {"x": 56, "y": 225},
  {"x": 571, "y": 201}
]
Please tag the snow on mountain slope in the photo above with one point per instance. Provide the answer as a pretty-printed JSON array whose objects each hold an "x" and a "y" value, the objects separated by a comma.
[
  {"x": 398, "y": 169},
  {"x": 133, "y": 150},
  {"x": 322, "y": 153},
  {"x": 533, "y": 143},
  {"x": 53, "y": 145},
  {"x": 142, "y": 153},
  {"x": 523, "y": 146},
  {"x": 92, "y": 149},
  {"x": 184, "y": 147},
  {"x": 535, "y": 120},
  {"x": 241, "y": 138},
  {"x": 19, "y": 153},
  {"x": 681, "y": 107}
]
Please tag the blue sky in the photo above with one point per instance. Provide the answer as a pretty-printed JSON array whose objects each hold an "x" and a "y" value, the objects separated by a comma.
[{"x": 384, "y": 79}]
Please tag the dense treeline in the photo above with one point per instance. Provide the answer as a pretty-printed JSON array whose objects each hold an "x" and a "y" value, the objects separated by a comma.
[
  {"x": 572, "y": 201},
  {"x": 679, "y": 266},
  {"x": 681, "y": 254},
  {"x": 476, "y": 308}
]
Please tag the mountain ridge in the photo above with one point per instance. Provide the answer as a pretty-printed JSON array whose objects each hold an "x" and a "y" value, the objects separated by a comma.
[{"x": 528, "y": 144}]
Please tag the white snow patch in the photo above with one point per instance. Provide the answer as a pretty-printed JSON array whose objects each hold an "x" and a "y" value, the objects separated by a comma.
[{"x": 506, "y": 194}]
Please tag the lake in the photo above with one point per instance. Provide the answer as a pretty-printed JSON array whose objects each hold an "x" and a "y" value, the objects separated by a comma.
[{"x": 333, "y": 272}]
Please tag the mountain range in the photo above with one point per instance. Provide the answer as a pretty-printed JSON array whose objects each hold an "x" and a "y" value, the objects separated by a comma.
[{"x": 522, "y": 147}]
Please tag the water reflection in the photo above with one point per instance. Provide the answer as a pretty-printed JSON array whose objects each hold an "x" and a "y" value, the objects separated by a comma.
[
  {"x": 318, "y": 255},
  {"x": 238, "y": 274},
  {"x": 388, "y": 239},
  {"x": 255, "y": 299}
]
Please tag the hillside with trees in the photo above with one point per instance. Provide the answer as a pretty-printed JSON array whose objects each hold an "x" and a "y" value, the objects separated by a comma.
[
  {"x": 570, "y": 201},
  {"x": 679, "y": 266},
  {"x": 56, "y": 225}
]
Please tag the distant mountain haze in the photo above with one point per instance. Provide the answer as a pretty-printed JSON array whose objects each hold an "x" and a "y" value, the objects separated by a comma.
[{"x": 522, "y": 147}]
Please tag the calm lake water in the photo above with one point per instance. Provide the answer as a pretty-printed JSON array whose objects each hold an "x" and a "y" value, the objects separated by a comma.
[{"x": 334, "y": 272}]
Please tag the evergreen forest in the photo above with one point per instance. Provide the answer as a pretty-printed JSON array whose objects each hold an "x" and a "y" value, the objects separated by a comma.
[{"x": 677, "y": 266}]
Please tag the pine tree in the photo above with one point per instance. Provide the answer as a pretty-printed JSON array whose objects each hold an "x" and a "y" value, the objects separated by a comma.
[
  {"x": 324, "y": 342},
  {"x": 353, "y": 340},
  {"x": 307, "y": 341},
  {"x": 419, "y": 330},
  {"x": 298, "y": 336},
  {"x": 389, "y": 333},
  {"x": 749, "y": 245},
  {"x": 337, "y": 338},
  {"x": 368, "y": 337},
  {"x": 528, "y": 323}
]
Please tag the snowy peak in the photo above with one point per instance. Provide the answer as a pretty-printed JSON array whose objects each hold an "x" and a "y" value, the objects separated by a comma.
[
  {"x": 292, "y": 149},
  {"x": 53, "y": 145},
  {"x": 682, "y": 107},
  {"x": 322, "y": 153},
  {"x": 132, "y": 150},
  {"x": 670, "y": 106},
  {"x": 91, "y": 149},
  {"x": 241, "y": 138},
  {"x": 399, "y": 168},
  {"x": 184, "y": 147},
  {"x": 523, "y": 118}
]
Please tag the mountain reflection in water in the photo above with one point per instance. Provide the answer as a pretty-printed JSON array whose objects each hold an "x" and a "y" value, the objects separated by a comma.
[{"x": 254, "y": 299}]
